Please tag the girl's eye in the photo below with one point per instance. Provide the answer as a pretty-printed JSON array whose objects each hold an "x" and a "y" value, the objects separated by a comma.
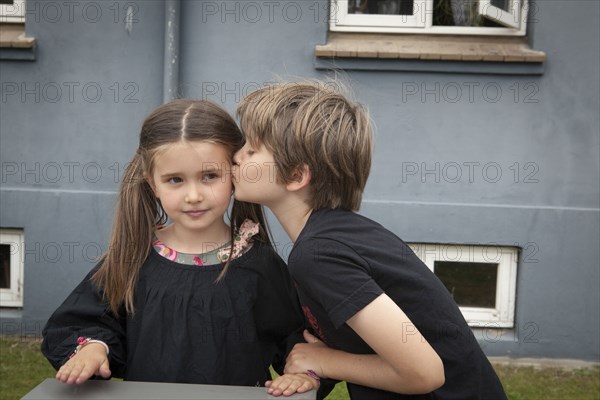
[
  {"x": 250, "y": 152},
  {"x": 174, "y": 180},
  {"x": 210, "y": 177}
]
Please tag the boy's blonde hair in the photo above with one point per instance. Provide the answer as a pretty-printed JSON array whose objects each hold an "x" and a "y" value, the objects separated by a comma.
[{"x": 313, "y": 124}]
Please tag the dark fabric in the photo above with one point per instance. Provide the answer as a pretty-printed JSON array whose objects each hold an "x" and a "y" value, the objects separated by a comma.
[
  {"x": 187, "y": 328},
  {"x": 342, "y": 261}
]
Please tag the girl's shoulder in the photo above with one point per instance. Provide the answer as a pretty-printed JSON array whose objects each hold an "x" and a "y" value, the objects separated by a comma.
[
  {"x": 260, "y": 253},
  {"x": 261, "y": 257},
  {"x": 242, "y": 241}
]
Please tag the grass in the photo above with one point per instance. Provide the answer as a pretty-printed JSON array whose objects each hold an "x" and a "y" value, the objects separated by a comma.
[
  {"x": 22, "y": 367},
  {"x": 524, "y": 383}
]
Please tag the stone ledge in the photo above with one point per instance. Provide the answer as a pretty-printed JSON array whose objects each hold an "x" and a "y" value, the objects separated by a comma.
[
  {"x": 429, "y": 47},
  {"x": 539, "y": 363},
  {"x": 13, "y": 36}
]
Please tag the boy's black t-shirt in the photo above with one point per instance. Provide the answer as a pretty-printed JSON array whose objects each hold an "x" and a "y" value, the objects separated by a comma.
[{"x": 342, "y": 261}]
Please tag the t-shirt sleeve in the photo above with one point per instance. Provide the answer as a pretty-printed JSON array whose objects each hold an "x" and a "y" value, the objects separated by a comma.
[
  {"x": 335, "y": 276},
  {"x": 83, "y": 313}
]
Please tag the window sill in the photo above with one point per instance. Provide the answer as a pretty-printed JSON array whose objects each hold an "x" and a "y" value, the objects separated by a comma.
[
  {"x": 444, "y": 53},
  {"x": 14, "y": 45}
]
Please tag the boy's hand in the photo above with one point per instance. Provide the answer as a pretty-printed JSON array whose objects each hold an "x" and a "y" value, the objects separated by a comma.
[
  {"x": 288, "y": 384},
  {"x": 90, "y": 360},
  {"x": 307, "y": 356}
]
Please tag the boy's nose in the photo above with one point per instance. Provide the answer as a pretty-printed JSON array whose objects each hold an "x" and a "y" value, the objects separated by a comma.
[{"x": 236, "y": 157}]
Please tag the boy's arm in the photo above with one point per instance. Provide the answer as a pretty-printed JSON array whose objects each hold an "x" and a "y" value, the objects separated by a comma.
[{"x": 404, "y": 361}]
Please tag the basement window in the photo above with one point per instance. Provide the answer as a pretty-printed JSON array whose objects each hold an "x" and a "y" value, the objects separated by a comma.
[{"x": 481, "y": 279}]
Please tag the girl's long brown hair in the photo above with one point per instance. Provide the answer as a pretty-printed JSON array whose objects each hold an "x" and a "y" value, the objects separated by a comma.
[{"x": 138, "y": 212}]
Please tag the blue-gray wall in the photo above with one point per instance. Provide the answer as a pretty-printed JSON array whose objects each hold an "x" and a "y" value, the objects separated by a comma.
[{"x": 526, "y": 146}]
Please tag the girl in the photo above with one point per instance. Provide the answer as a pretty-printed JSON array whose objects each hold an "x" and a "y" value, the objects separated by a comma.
[{"x": 191, "y": 301}]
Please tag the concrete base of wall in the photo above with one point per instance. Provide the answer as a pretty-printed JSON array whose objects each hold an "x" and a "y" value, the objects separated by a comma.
[{"x": 538, "y": 363}]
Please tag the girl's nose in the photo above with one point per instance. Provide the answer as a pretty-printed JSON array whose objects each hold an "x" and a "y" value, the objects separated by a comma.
[{"x": 193, "y": 195}]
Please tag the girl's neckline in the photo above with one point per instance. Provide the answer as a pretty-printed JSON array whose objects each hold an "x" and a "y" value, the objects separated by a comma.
[
  {"x": 166, "y": 263},
  {"x": 168, "y": 237},
  {"x": 210, "y": 257},
  {"x": 242, "y": 242}
]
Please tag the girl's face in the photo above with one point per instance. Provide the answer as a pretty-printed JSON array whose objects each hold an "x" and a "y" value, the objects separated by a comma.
[{"x": 193, "y": 182}]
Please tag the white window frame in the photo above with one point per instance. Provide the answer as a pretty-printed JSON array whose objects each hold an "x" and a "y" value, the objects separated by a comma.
[
  {"x": 422, "y": 20},
  {"x": 339, "y": 9},
  {"x": 13, "y": 296},
  {"x": 13, "y": 13},
  {"x": 509, "y": 18},
  {"x": 503, "y": 314}
]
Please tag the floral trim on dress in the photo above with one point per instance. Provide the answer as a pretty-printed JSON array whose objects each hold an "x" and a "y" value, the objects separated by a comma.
[
  {"x": 164, "y": 251},
  {"x": 242, "y": 242}
]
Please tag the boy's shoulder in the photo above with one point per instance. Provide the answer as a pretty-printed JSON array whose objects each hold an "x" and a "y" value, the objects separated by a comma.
[
  {"x": 339, "y": 220},
  {"x": 325, "y": 214},
  {"x": 347, "y": 229}
]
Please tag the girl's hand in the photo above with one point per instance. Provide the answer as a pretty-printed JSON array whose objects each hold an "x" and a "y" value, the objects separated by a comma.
[
  {"x": 307, "y": 356},
  {"x": 90, "y": 360},
  {"x": 288, "y": 384}
]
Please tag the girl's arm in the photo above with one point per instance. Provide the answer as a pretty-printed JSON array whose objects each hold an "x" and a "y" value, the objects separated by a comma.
[
  {"x": 89, "y": 360},
  {"x": 289, "y": 384},
  {"x": 279, "y": 319},
  {"x": 277, "y": 313},
  {"x": 404, "y": 361},
  {"x": 84, "y": 314}
]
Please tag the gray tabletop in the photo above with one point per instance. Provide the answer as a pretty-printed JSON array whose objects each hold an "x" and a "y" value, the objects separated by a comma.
[{"x": 52, "y": 389}]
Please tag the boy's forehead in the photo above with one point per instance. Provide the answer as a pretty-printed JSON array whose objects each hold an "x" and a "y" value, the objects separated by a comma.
[
  {"x": 255, "y": 142},
  {"x": 251, "y": 137}
]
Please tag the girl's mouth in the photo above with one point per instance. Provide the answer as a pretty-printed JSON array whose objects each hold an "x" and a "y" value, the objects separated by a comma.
[{"x": 195, "y": 213}]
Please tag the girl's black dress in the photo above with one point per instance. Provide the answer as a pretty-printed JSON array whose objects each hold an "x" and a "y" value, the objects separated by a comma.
[{"x": 186, "y": 328}]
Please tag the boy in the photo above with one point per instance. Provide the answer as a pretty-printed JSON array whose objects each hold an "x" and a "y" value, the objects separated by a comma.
[{"x": 386, "y": 324}]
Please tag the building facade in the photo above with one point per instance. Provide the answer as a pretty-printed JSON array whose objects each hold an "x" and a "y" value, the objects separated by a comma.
[{"x": 486, "y": 153}]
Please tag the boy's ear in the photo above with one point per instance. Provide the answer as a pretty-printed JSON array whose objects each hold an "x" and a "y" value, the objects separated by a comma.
[
  {"x": 300, "y": 179},
  {"x": 150, "y": 181}
]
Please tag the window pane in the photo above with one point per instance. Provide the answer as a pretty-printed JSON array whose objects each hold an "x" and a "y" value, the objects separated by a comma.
[
  {"x": 4, "y": 266},
  {"x": 501, "y": 4},
  {"x": 502, "y": 12},
  {"x": 387, "y": 7},
  {"x": 471, "y": 284},
  {"x": 456, "y": 13}
]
